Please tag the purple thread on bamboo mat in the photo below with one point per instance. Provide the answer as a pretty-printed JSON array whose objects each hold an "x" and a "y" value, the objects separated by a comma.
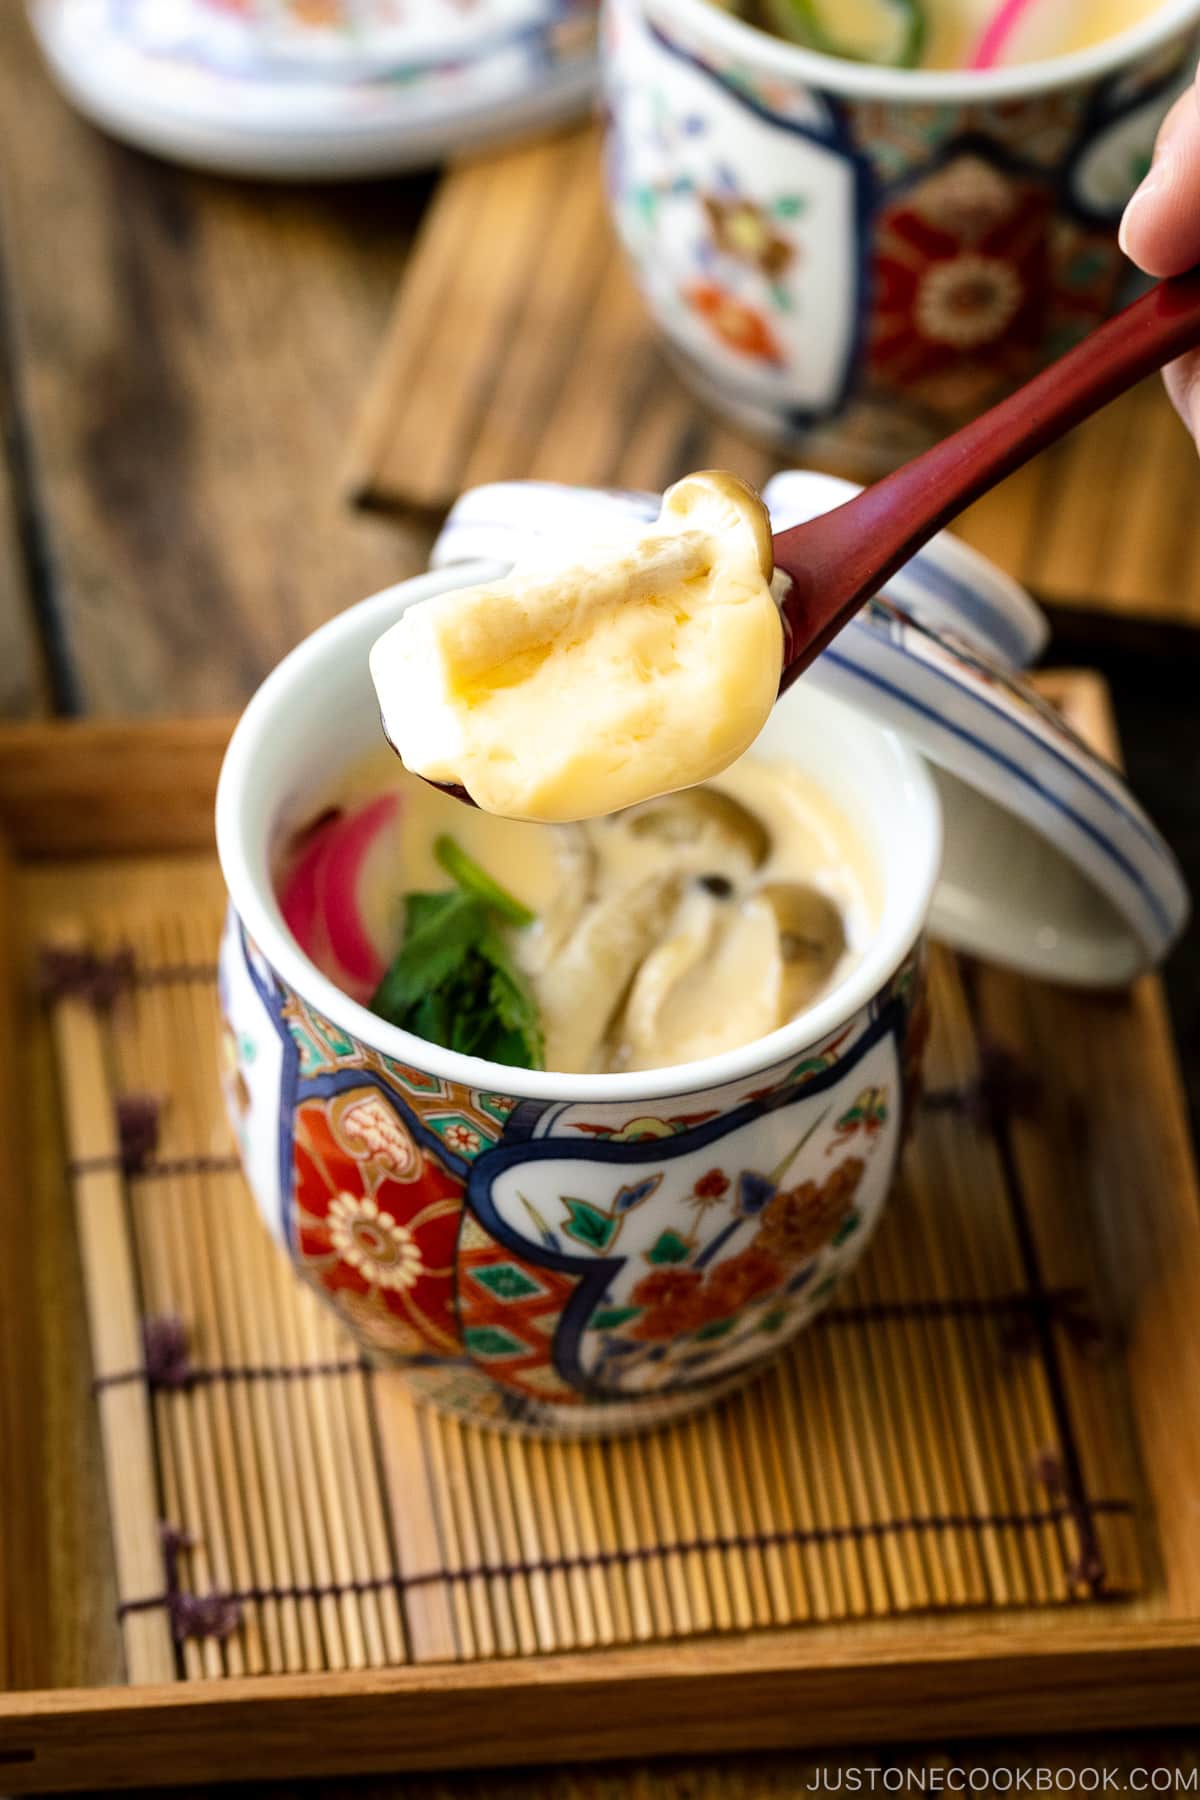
[
  {"x": 211, "y": 1615},
  {"x": 69, "y": 971},
  {"x": 165, "y": 1348},
  {"x": 171, "y": 1168},
  {"x": 332, "y": 1590},
  {"x": 764, "y": 1540},
  {"x": 1065, "y": 1307},
  {"x": 1062, "y": 1305},
  {"x": 203, "y": 1376},
  {"x": 138, "y": 1119},
  {"x": 167, "y": 1365},
  {"x": 167, "y": 974},
  {"x": 1003, "y": 1089},
  {"x": 759, "y": 1540},
  {"x": 1088, "y": 1569}
]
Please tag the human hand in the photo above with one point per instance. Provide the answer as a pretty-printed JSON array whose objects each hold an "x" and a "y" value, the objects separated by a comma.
[{"x": 1161, "y": 229}]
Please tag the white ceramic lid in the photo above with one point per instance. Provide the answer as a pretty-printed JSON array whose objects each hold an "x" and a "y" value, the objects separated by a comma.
[
  {"x": 1051, "y": 865},
  {"x": 355, "y": 87}
]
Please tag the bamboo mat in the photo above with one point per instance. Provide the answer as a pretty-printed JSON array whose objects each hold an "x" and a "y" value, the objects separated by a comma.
[
  {"x": 950, "y": 1436},
  {"x": 518, "y": 347}
]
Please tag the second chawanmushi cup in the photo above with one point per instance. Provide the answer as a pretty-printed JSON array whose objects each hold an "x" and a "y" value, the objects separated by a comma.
[
  {"x": 852, "y": 260},
  {"x": 596, "y": 1253}
]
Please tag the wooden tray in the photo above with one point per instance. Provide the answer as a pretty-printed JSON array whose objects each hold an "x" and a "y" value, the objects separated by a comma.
[
  {"x": 962, "y": 1505},
  {"x": 519, "y": 347}
]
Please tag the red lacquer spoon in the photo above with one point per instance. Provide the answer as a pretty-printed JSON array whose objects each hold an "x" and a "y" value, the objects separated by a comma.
[{"x": 837, "y": 562}]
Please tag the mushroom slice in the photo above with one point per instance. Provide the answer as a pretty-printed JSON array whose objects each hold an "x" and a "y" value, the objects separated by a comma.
[
  {"x": 713, "y": 983},
  {"x": 575, "y": 865},
  {"x": 638, "y": 1035},
  {"x": 712, "y": 829},
  {"x": 812, "y": 941},
  {"x": 584, "y": 988}
]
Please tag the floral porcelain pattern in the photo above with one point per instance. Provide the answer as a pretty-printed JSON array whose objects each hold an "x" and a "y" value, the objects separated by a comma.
[
  {"x": 891, "y": 267},
  {"x": 565, "y": 1266}
]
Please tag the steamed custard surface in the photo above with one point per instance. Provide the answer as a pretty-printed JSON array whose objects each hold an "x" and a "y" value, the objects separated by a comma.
[
  {"x": 663, "y": 934},
  {"x": 868, "y": 30},
  {"x": 561, "y": 694},
  {"x": 1049, "y": 28}
]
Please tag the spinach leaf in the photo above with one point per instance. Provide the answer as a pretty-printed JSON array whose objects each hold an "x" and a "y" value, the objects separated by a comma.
[{"x": 453, "y": 980}]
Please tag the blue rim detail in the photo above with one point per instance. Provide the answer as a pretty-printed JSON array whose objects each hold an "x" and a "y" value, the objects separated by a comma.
[{"x": 1020, "y": 773}]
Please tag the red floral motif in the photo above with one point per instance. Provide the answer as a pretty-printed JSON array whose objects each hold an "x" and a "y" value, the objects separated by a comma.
[
  {"x": 681, "y": 1300},
  {"x": 712, "y": 1186},
  {"x": 748, "y": 1276},
  {"x": 963, "y": 286},
  {"x": 376, "y": 1226},
  {"x": 737, "y": 325},
  {"x": 801, "y": 1220},
  {"x": 672, "y": 1301}
]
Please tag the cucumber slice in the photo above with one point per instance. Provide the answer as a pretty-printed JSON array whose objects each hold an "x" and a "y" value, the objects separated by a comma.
[{"x": 891, "y": 32}]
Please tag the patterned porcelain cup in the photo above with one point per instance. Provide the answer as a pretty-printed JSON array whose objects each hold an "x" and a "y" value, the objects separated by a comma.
[
  {"x": 855, "y": 259},
  {"x": 563, "y": 1253}
]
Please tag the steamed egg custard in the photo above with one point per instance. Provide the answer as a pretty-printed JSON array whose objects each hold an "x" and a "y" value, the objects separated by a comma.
[
  {"x": 571, "y": 691},
  {"x": 944, "y": 34},
  {"x": 671, "y": 931}
]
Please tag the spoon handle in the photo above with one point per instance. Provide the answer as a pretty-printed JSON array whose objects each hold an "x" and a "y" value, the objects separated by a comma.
[{"x": 839, "y": 561}]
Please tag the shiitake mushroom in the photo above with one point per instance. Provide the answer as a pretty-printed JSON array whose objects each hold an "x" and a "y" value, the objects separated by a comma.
[
  {"x": 812, "y": 941},
  {"x": 712, "y": 827}
]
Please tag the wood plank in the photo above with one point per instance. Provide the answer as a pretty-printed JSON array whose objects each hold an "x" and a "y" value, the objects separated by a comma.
[
  {"x": 82, "y": 787},
  {"x": 23, "y": 1541},
  {"x": 784, "y": 1775},
  {"x": 190, "y": 353},
  {"x": 764, "y": 1692}
]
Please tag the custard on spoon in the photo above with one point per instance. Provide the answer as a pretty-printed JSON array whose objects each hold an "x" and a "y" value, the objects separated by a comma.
[{"x": 570, "y": 692}]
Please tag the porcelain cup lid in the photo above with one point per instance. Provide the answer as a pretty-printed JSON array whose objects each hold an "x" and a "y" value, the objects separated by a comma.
[{"x": 1051, "y": 865}]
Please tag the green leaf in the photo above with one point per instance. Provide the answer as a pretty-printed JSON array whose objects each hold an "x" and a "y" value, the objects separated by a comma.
[
  {"x": 895, "y": 34},
  {"x": 473, "y": 880},
  {"x": 717, "y": 1328},
  {"x": 588, "y": 1224},
  {"x": 611, "y": 1318},
  {"x": 669, "y": 1248},
  {"x": 439, "y": 932},
  {"x": 454, "y": 982}
]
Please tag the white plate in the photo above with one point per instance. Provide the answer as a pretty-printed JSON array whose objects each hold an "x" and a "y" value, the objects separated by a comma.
[{"x": 328, "y": 90}]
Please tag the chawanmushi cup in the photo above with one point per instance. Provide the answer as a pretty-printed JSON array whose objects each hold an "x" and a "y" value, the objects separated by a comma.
[
  {"x": 563, "y": 1253},
  {"x": 853, "y": 260}
]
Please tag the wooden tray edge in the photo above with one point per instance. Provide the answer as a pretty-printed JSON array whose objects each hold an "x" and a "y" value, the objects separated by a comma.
[{"x": 787, "y": 1690}]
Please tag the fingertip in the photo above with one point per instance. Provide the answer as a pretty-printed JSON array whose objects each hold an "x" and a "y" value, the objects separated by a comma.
[
  {"x": 1183, "y": 385},
  {"x": 1161, "y": 227}
]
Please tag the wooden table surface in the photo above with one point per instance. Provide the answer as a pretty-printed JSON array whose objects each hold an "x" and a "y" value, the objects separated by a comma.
[{"x": 180, "y": 360}]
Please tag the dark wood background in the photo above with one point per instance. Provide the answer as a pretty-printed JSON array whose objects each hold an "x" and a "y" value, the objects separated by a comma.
[{"x": 180, "y": 362}]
